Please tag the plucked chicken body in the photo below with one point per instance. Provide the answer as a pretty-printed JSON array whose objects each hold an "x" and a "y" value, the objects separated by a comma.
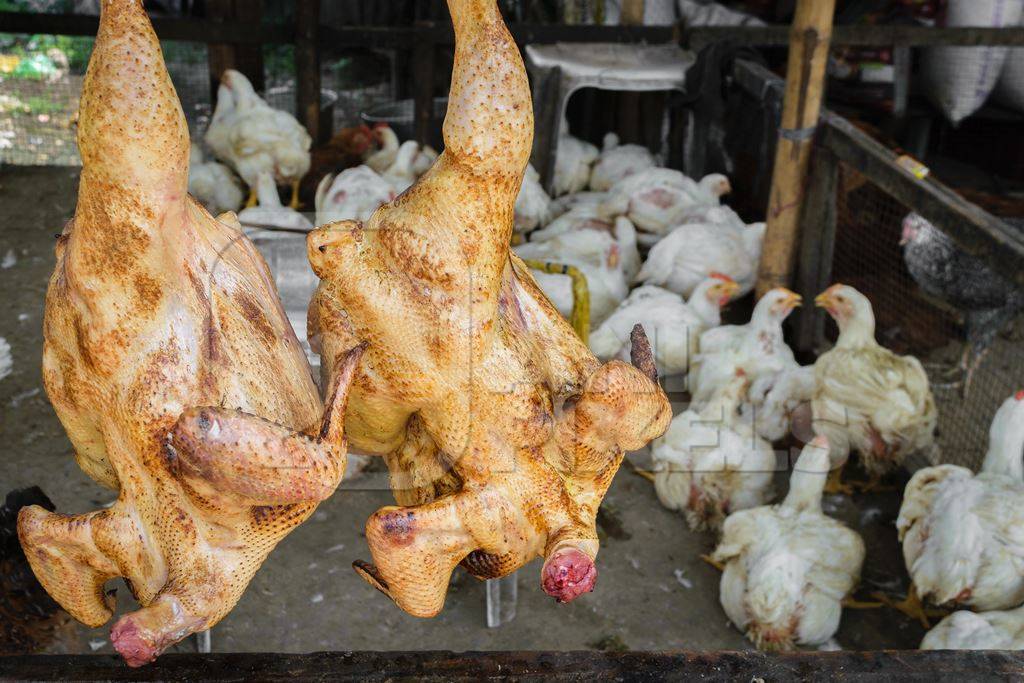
[
  {"x": 572, "y": 163},
  {"x": 618, "y": 161},
  {"x": 171, "y": 364},
  {"x": 963, "y": 630},
  {"x": 533, "y": 205},
  {"x": 656, "y": 199},
  {"x": 213, "y": 184},
  {"x": 253, "y": 137},
  {"x": 673, "y": 325},
  {"x": 597, "y": 255},
  {"x": 710, "y": 463},
  {"x": 689, "y": 253},
  {"x": 501, "y": 431},
  {"x": 963, "y": 534},
  {"x": 867, "y": 399},
  {"x": 352, "y": 195},
  {"x": 789, "y": 566}
]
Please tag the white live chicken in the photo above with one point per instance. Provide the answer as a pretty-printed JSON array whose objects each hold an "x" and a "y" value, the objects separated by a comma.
[
  {"x": 598, "y": 257},
  {"x": 690, "y": 252},
  {"x": 709, "y": 463},
  {"x": 383, "y": 157},
  {"x": 568, "y": 202},
  {"x": 213, "y": 184},
  {"x": 963, "y": 630},
  {"x": 400, "y": 174},
  {"x": 867, "y": 399},
  {"x": 656, "y": 199},
  {"x": 270, "y": 215},
  {"x": 788, "y": 567},
  {"x": 589, "y": 217},
  {"x": 618, "y": 161},
  {"x": 963, "y": 533},
  {"x": 572, "y": 163},
  {"x": 760, "y": 350},
  {"x": 253, "y": 137},
  {"x": 533, "y": 205},
  {"x": 354, "y": 194},
  {"x": 672, "y": 325}
]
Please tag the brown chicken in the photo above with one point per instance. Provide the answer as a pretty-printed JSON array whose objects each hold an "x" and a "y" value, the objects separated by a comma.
[
  {"x": 501, "y": 431},
  {"x": 155, "y": 307}
]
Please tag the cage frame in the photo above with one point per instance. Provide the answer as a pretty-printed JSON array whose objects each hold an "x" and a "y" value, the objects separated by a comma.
[{"x": 837, "y": 141}]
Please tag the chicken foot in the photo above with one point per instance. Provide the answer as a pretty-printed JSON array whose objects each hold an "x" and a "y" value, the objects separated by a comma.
[
  {"x": 912, "y": 606},
  {"x": 228, "y": 457}
]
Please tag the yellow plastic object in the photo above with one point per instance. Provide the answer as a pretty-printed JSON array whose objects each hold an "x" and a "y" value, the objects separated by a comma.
[{"x": 580, "y": 319}]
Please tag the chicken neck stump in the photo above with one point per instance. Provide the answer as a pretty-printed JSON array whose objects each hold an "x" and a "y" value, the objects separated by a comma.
[
  {"x": 170, "y": 362},
  {"x": 501, "y": 431}
]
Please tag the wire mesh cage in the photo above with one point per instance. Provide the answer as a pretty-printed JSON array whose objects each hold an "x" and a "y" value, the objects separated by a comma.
[
  {"x": 41, "y": 83},
  {"x": 869, "y": 257}
]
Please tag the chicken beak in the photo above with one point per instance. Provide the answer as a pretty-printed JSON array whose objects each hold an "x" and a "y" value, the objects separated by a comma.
[
  {"x": 792, "y": 300},
  {"x": 823, "y": 300},
  {"x": 729, "y": 291}
]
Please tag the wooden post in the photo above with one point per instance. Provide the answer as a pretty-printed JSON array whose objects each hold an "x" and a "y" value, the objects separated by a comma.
[
  {"x": 805, "y": 84},
  {"x": 423, "y": 53},
  {"x": 249, "y": 58},
  {"x": 632, "y": 13},
  {"x": 307, "y": 65},
  {"x": 817, "y": 246},
  {"x": 222, "y": 56}
]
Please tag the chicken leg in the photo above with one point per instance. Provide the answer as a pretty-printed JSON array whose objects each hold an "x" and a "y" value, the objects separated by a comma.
[{"x": 171, "y": 364}]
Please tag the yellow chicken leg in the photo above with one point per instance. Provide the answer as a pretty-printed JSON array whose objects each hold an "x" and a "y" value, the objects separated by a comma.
[
  {"x": 295, "y": 203},
  {"x": 834, "y": 484},
  {"x": 912, "y": 606},
  {"x": 580, "y": 318},
  {"x": 252, "y": 200},
  {"x": 713, "y": 562}
]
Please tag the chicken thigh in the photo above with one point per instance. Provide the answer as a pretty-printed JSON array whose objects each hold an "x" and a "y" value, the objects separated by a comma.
[
  {"x": 169, "y": 360},
  {"x": 501, "y": 431}
]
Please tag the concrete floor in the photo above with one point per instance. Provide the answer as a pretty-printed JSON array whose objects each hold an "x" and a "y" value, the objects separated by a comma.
[{"x": 654, "y": 592}]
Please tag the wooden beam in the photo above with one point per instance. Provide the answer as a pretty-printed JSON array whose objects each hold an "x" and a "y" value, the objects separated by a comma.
[
  {"x": 167, "y": 28},
  {"x": 975, "y": 230},
  {"x": 918, "y": 665},
  {"x": 805, "y": 89},
  {"x": 817, "y": 246},
  {"x": 307, "y": 65},
  {"x": 857, "y": 35}
]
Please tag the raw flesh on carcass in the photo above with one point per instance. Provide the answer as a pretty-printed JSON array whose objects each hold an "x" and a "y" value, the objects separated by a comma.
[
  {"x": 170, "y": 362},
  {"x": 501, "y": 431}
]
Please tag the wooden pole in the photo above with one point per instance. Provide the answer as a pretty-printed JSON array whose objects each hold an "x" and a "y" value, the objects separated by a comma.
[
  {"x": 307, "y": 65},
  {"x": 632, "y": 13},
  {"x": 810, "y": 37}
]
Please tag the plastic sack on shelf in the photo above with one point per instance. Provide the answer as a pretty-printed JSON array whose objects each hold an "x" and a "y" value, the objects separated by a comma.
[{"x": 960, "y": 79}]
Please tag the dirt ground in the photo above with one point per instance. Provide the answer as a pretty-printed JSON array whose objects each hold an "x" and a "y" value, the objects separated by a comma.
[{"x": 654, "y": 592}]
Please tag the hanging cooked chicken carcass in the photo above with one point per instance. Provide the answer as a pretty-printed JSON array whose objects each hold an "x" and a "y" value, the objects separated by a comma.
[
  {"x": 155, "y": 310},
  {"x": 501, "y": 431}
]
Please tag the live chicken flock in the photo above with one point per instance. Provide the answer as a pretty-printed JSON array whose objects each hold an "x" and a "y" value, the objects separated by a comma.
[{"x": 181, "y": 384}]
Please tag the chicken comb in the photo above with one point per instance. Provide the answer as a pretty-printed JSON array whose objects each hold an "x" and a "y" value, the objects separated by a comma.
[
  {"x": 1019, "y": 395},
  {"x": 720, "y": 276}
]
